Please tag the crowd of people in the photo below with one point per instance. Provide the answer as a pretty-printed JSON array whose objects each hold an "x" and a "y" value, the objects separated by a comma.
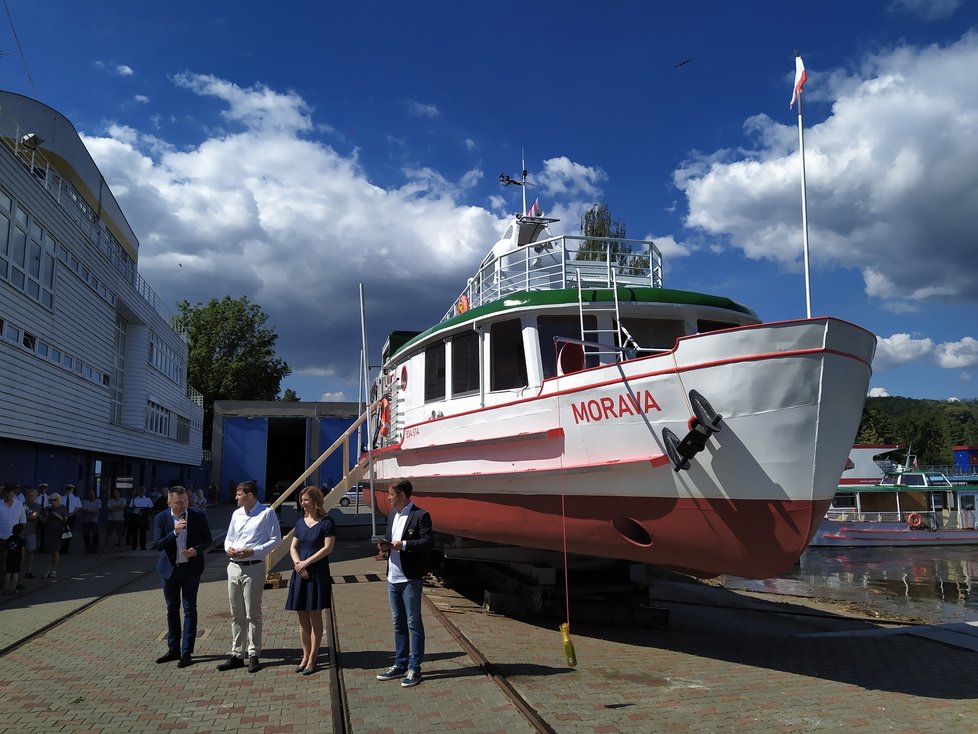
[
  {"x": 38, "y": 521},
  {"x": 41, "y": 521}
]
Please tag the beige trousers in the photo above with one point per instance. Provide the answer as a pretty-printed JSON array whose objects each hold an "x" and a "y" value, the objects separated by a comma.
[{"x": 245, "y": 586}]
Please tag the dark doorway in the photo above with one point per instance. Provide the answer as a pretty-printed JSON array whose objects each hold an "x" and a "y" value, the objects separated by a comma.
[{"x": 286, "y": 454}]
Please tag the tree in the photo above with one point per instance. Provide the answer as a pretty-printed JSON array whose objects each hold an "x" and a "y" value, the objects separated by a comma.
[
  {"x": 289, "y": 396},
  {"x": 597, "y": 222},
  {"x": 231, "y": 353}
]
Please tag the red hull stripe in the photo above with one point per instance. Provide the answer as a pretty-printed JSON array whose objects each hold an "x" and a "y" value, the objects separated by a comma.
[
  {"x": 477, "y": 443},
  {"x": 518, "y": 474}
]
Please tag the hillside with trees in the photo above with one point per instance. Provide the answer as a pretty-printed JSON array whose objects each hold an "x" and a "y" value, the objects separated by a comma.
[{"x": 931, "y": 427}]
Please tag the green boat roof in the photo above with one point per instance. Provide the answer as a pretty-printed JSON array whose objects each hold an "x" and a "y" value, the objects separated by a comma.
[{"x": 563, "y": 296}]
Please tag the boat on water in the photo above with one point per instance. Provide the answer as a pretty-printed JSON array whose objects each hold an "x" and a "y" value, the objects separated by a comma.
[
  {"x": 898, "y": 506},
  {"x": 567, "y": 400}
]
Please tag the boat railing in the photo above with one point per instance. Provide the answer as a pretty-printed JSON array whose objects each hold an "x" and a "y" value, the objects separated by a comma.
[
  {"x": 850, "y": 515},
  {"x": 567, "y": 261}
]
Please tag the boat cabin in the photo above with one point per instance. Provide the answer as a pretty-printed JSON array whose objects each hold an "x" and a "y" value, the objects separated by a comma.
[
  {"x": 542, "y": 306},
  {"x": 902, "y": 493}
]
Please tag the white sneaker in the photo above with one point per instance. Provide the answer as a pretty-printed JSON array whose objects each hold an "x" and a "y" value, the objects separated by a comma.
[
  {"x": 412, "y": 678},
  {"x": 391, "y": 673}
]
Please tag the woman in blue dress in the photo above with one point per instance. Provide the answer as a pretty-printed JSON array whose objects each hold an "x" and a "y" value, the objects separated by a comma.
[{"x": 309, "y": 589}]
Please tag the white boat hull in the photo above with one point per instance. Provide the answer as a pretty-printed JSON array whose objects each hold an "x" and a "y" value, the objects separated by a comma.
[
  {"x": 884, "y": 534},
  {"x": 582, "y": 464}
]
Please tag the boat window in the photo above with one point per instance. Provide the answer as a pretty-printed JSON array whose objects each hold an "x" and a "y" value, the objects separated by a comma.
[
  {"x": 654, "y": 333},
  {"x": 844, "y": 500},
  {"x": 434, "y": 372},
  {"x": 508, "y": 233},
  {"x": 550, "y": 326},
  {"x": 912, "y": 480},
  {"x": 705, "y": 325},
  {"x": 465, "y": 363},
  {"x": 507, "y": 367}
]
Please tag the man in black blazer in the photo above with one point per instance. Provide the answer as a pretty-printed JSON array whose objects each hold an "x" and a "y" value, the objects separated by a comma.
[
  {"x": 183, "y": 537},
  {"x": 408, "y": 543}
]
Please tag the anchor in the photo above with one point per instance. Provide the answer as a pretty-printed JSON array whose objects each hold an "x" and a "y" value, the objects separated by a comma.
[{"x": 704, "y": 423}]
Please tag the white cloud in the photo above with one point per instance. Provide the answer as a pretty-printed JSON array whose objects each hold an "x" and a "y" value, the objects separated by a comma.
[
  {"x": 333, "y": 397},
  {"x": 418, "y": 109},
  {"x": 469, "y": 144},
  {"x": 265, "y": 210},
  {"x": 892, "y": 177},
  {"x": 141, "y": 98},
  {"x": 955, "y": 355},
  {"x": 900, "y": 349},
  {"x": 669, "y": 247},
  {"x": 879, "y": 392},
  {"x": 123, "y": 70}
]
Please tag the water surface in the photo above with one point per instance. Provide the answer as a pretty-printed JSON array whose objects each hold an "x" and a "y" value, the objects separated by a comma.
[{"x": 933, "y": 584}]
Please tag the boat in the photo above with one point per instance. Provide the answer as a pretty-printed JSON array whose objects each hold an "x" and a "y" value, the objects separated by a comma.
[
  {"x": 903, "y": 506},
  {"x": 568, "y": 401}
]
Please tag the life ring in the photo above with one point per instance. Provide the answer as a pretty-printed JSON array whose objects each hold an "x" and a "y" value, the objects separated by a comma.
[
  {"x": 463, "y": 303},
  {"x": 914, "y": 520},
  {"x": 385, "y": 417}
]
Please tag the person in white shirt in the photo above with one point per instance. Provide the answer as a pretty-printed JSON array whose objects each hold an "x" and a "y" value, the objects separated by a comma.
[
  {"x": 143, "y": 507},
  {"x": 252, "y": 535},
  {"x": 11, "y": 513}
]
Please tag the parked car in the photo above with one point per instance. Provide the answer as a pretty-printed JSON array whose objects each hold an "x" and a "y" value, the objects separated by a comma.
[{"x": 352, "y": 495}]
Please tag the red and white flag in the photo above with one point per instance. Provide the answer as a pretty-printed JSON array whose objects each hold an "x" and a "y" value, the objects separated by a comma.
[
  {"x": 801, "y": 76},
  {"x": 535, "y": 210}
]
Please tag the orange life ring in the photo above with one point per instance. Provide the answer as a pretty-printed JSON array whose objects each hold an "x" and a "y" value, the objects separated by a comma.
[
  {"x": 463, "y": 303},
  {"x": 914, "y": 520},
  {"x": 385, "y": 417}
]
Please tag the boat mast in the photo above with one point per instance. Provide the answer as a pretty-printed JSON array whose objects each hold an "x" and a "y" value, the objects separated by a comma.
[{"x": 506, "y": 180}]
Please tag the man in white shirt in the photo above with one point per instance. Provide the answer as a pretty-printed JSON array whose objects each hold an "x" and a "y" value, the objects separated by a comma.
[
  {"x": 11, "y": 513},
  {"x": 252, "y": 535},
  {"x": 408, "y": 544}
]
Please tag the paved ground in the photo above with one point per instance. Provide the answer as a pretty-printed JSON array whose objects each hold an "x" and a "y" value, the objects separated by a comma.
[{"x": 737, "y": 668}]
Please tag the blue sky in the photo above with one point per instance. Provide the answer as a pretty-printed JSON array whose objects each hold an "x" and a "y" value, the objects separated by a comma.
[{"x": 290, "y": 152}]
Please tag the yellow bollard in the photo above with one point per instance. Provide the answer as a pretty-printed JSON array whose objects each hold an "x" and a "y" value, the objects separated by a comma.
[{"x": 568, "y": 645}]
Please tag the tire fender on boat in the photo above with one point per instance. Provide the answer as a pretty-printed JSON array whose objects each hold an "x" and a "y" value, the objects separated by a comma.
[{"x": 914, "y": 520}]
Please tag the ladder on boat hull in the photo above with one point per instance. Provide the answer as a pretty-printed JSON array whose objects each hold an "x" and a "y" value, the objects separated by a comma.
[{"x": 599, "y": 309}]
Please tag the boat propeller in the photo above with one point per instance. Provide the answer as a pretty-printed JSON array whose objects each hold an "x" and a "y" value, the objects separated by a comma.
[{"x": 704, "y": 423}]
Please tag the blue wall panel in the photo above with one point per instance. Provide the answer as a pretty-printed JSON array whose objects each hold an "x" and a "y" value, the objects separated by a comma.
[{"x": 243, "y": 454}]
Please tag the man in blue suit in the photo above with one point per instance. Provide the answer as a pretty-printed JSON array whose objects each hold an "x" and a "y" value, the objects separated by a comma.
[{"x": 183, "y": 537}]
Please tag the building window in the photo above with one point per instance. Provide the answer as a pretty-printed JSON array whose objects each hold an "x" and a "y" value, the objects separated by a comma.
[
  {"x": 22, "y": 260},
  {"x": 183, "y": 430},
  {"x": 157, "y": 419},
  {"x": 165, "y": 359}
]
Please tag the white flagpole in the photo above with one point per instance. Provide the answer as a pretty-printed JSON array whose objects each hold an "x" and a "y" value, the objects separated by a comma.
[{"x": 804, "y": 210}]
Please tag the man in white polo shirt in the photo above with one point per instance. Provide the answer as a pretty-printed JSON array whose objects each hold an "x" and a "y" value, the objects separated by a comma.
[{"x": 252, "y": 535}]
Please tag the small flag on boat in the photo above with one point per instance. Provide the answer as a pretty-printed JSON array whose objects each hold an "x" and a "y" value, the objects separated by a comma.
[
  {"x": 535, "y": 210},
  {"x": 801, "y": 76}
]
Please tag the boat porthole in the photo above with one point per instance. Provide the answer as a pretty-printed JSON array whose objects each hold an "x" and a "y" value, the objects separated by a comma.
[{"x": 632, "y": 531}]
